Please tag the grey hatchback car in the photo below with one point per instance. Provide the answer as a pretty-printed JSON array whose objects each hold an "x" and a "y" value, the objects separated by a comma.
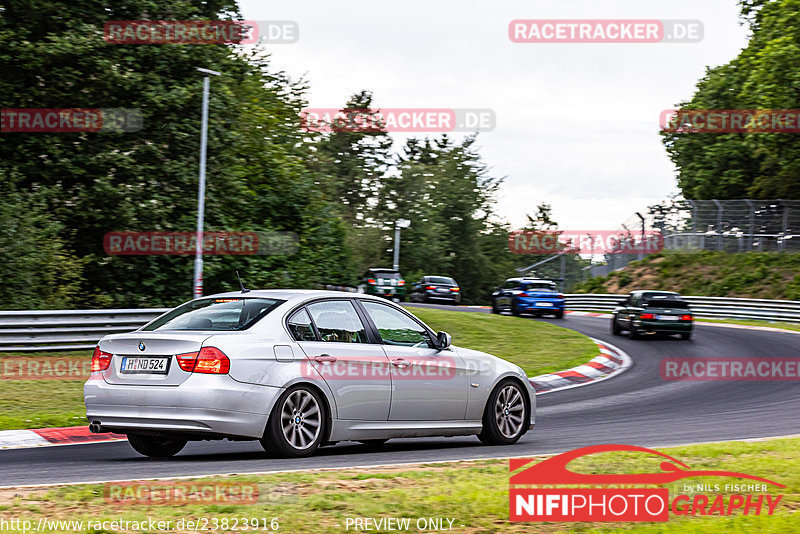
[{"x": 298, "y": 369}]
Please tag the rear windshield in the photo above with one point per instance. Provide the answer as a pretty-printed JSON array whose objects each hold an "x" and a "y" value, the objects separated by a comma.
[
  {"x": 441, "y": 280},
  {"x": 384, "y": 274},
  {"x": 219, "y": 314},
  {"x": 666, "y": 301},
  {"x": 539, "y": 286}
]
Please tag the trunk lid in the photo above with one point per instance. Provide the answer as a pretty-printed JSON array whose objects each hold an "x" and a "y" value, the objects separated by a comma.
[{"x": 154, "y": 345}]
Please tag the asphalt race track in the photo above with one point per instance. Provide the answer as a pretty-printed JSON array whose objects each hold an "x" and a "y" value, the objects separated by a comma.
[{"x": 636, "y": 408}]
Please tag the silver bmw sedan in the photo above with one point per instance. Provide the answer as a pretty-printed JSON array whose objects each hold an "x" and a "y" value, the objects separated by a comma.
[{"x": 296, "y": 370}]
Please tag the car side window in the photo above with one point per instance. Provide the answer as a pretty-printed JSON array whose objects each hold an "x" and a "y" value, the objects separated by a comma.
[
  {"x": 635, "y": 300},
  {"x": 511, "y": 285},
  {"x": 337, "y": 321},
  {"x": 395, "y": 327},
  {"x": 300, "y": 326}
]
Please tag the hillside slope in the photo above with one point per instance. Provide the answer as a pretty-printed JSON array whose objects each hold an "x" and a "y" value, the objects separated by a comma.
[{"x": 718, "y": 274}]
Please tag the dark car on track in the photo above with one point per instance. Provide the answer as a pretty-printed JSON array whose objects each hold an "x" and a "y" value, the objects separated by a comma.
[
  {"x": 387, "y": 283},
  {"x": 653, "y": 312},
  {"x": 537, "y": 296},
  {"x": 435, "y": 289}
]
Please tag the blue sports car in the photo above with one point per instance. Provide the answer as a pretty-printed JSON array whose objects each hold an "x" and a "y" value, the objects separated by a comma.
[{"x": 537, "y": 296}]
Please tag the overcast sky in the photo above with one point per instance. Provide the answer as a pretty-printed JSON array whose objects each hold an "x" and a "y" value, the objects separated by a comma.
[{"x": 577, "y": 124}]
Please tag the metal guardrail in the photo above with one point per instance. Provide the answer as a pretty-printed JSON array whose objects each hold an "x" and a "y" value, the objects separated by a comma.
[
  {"x": 22, "y": 331},
  {"x": 705, "y": 307},
  {"x": 66, "y": 329}
]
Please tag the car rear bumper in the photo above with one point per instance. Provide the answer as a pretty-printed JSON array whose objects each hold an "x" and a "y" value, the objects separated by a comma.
[
  {"x": 452, "y": 297},
  {"x": 540, "y": 305},
  {"x": 204, "y": 405},
  {"x": 662, "y": 327}
]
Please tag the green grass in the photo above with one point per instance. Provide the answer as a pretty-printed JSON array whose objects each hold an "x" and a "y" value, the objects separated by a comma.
[
  {"x": 473, "y": 494},
  {"x": 41, "y": 403},
  {"x": 537, "y": 347},
  {"x": 768, "y": 275}
]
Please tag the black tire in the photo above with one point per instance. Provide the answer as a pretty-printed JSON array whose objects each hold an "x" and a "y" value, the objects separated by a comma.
[
  {"x": 494, "y": 307},
  {"x": 560, "y": 314},
  {"x": 514, "y": 310},
  {"x": 686, "y": 335},
  {"x": 492, "y": 434},
  {"x": 633, "y": 333},
  {"x": 156, "y": 447},
  {"x": 298, "y": 443},
  {"x": 615, "y": 329}
]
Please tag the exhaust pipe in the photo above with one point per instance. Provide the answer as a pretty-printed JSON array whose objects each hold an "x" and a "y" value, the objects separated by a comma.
[{"x": 95, "y": 428}]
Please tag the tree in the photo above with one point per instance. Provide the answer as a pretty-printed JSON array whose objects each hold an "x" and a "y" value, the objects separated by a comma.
[{"x": 765, "y": 75}]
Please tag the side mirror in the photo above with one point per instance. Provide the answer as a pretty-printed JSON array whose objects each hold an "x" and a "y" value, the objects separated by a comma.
[{"x": 443, "y": 340}]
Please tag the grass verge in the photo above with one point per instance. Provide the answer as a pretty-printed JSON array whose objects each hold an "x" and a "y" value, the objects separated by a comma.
[
  {"x": 537, "y": 347},
  {"x": 474, "y": 495}
]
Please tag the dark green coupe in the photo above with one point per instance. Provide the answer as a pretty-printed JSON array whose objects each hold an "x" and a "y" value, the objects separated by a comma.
[{"x": 653, "y": 312}]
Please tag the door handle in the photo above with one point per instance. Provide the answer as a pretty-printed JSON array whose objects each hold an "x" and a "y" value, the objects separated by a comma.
[
  {"x": 325, "y": 358},
  {"x": 400, "y": 362}
]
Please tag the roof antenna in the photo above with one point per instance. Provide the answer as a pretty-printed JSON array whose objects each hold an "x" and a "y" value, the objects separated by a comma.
[{"x": 244, "y": 290}]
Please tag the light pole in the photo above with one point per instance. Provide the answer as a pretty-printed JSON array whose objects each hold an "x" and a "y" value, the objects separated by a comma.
[
  {"x": 201, "y": 187},
  {"x": 398, "y": 224},
  {"x": 641, "y": 250}
]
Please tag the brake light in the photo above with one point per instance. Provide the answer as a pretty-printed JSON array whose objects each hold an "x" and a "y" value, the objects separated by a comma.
[
  {"x": 372, "y": 282},
  {"x": 430, "y": 287},
  {"x": 523, "y": 294},
  {"x": 209, "y": 361},
  {"x": 559, "y": 296},
  {"x": 647, "y": 316},
  {"x": 187, "y": 360},
  {"x": 401, "y": 282},
  {"x": 212, "y": 361},
  {"x": 456, "y": 289},
  {"x": 686, "y": 317},
  {"x": 100, "y": 360}
]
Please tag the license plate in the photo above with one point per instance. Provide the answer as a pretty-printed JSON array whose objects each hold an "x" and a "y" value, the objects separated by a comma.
[
  {"x": 153, "y": 366},
  {"x": 443, "y": 290},
  {"x": 666, "y": 317},
  {"x": 544, "y": 303}
]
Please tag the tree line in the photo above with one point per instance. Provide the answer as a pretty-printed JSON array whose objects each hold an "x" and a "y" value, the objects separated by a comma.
[{"x": 339, "y": 192}]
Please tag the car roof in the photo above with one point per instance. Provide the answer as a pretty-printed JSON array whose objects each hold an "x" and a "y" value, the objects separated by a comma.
[
  {"x": 523, "y": 279},
  {"x": 383, "y": 270},
  {"x": 285, "y": 294},
  {"x": 655, "y": 292}
]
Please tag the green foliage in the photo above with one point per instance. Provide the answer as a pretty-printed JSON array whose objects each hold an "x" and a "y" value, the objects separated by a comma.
[
  {"x": 37, "y": 271},
  {"x": 765, "y": 75}
]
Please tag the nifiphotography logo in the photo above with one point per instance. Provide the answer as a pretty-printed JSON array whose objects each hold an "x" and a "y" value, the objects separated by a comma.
[{"x": 548, "y": 491}]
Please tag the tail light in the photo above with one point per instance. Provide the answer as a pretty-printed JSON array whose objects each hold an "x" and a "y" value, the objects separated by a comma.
[
  {"x": 100, "y": 360},
  {"x": 559, "y": 296},
  {"x": 401, "y": 282},
  {"x": 210, "y": 361},
  {"x": 430, "y": 287},
  {"x": 686, "y": 317},
  {"x": 647, "y": 316},
  {"x": 523, "y": 294},
  {"x": 455, "y": 289},
  {"x": 372, "y": 282}
]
